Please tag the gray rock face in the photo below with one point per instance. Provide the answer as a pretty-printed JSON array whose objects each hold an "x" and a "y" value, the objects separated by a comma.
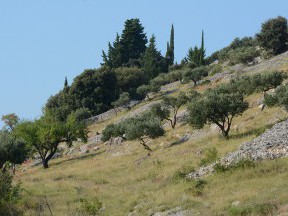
[
  {"x": 97, "y": 139},
  {"x": 110, "y": 113},
  {"x": 271, "y": 64},
  {"x": 270, "y": 145},
  {"x": 115, "y": 141}
]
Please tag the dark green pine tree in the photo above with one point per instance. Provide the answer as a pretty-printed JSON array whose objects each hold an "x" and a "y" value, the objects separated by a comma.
[
  {"x": 105, "y": 59},
  {"x": 202, "y": 51},
  {"x": 152, "y": 62},
  {"x": 133, "y": 40},
  {"x": 197, "y": 55}
]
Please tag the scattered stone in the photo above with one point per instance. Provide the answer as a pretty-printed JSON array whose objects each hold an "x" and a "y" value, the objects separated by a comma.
[
  {"x": 115, "y": 141},
  {"x": 56, "y": 155},
  {"x": 236, "y": 203},
  {"x": 96, "y": 139},
  {"x": 110, "y": 113}
]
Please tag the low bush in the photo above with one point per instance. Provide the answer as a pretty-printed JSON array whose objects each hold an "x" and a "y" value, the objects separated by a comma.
[
  {"x": 255, "y": 209},
  {"x": 181, "y": 173},
  {"x": 91, "y": 207},
  {"x": 197, "y": 187},
  {"x": 210, "y": 156},
  {"x": 9, "y": 196},
  {"x": 242, "y": 164}
]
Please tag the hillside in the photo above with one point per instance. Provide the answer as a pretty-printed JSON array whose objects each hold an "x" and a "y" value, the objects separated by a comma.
[{"x": 129, "y": 181}]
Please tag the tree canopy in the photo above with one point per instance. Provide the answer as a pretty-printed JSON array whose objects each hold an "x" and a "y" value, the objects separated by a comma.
[
  {"x": 218, "y": 107},
  {"x": 274, "y": 35},
  {"x": 45, "y": 135}
]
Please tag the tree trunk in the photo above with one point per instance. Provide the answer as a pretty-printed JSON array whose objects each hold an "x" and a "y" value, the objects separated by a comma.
[
  {"x": 195, "y": 82},
  {"x": 225, "y": 133},
  {"x": 45, "y": 163},
  {"x": 142, "y": 142},
  {"x": 174, "y": 121}
]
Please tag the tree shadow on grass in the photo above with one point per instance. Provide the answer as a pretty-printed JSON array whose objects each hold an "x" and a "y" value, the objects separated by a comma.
[
  {"x": 79, "y": 158},
  {"x": 255, "y": 131}
]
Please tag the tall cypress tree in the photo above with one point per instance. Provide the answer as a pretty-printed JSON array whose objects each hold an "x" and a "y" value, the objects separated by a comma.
[
  {"x": 172, "y": 44},
  {"x": 170, "y": 48},
  {"x": 202, "y": 51},
  {"x": 65, "y": 82}
]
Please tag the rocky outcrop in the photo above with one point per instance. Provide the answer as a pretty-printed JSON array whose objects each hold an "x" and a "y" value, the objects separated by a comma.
[
  {"x": 110, "y": 113},
  {"x": 274, "y": 63},
  {"x": 270, "y": 145}
]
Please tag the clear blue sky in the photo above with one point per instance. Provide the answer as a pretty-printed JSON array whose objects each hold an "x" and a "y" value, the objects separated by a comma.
[{"x": 42, "y": 41}]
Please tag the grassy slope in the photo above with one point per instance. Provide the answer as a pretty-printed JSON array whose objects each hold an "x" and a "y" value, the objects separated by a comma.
[{"x": 133, "y": 181}]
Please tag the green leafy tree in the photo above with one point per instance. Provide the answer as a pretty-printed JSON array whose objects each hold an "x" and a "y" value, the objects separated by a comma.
[
  {"x": 123, "y": 101},
  {"x": 142, "y": 128},
  {"x": 94, "y": 89},
  {"x": 268, "y": 80},
  {"x": 175, "y": 75},
  {"x": 217, "y": 107},
  {"x": 10, "y": 120},
  {"x": 12, "y": 149},
  {"x": 274, "y": 35},
  {"x": 129, "y": 79},
  {"x": 170, "y": 104},
  {"x": 152, "y": 61},
  {"x": 243, "y": 55},
  {"x": 278, "y": 98},
  {"x": 144, "y": 90},
  {"x": 45, "y": 135},
  {"x": 196, "y": 74}
]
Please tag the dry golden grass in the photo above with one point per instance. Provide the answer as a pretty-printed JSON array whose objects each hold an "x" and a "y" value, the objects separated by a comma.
[{"x": 133, "y": 181}]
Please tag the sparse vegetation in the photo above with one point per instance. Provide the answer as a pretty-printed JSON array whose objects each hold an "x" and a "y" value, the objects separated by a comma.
[{"x": 118, "y": 179}]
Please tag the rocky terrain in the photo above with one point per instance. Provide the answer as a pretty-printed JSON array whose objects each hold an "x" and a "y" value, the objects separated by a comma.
[{"x": 270, "y": 145}]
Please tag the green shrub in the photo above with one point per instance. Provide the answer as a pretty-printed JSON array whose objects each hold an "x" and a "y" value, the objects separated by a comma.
[
  {"x": 181, "y": 173},
  {"x": 242, "y": 164},
  {"x": 9, "y": 196},
  {"x": 255, "y": 209},
  {"x": 210, "y": 156},
  {"x": 91, "y": 207},
  {"x": 197, "y": 188},
  {"x": 243, "y": 55},
  {"x": 215, "y": 69}
]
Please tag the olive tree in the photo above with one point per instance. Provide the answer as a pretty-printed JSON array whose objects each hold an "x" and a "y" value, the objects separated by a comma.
[
  {"x": 195, "y": 74},
  {"x": 45, "y": 135},
  {"x": 142, "y": 128},
  {"x": 278, "y": 98},
  {"x": 12, "y": 149},
  {"x": 274, "y": 35},
  {"x": 216, "y": 107},
  {"x": 123, "y": 100},
  {"x": 170, "y": 104}
]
